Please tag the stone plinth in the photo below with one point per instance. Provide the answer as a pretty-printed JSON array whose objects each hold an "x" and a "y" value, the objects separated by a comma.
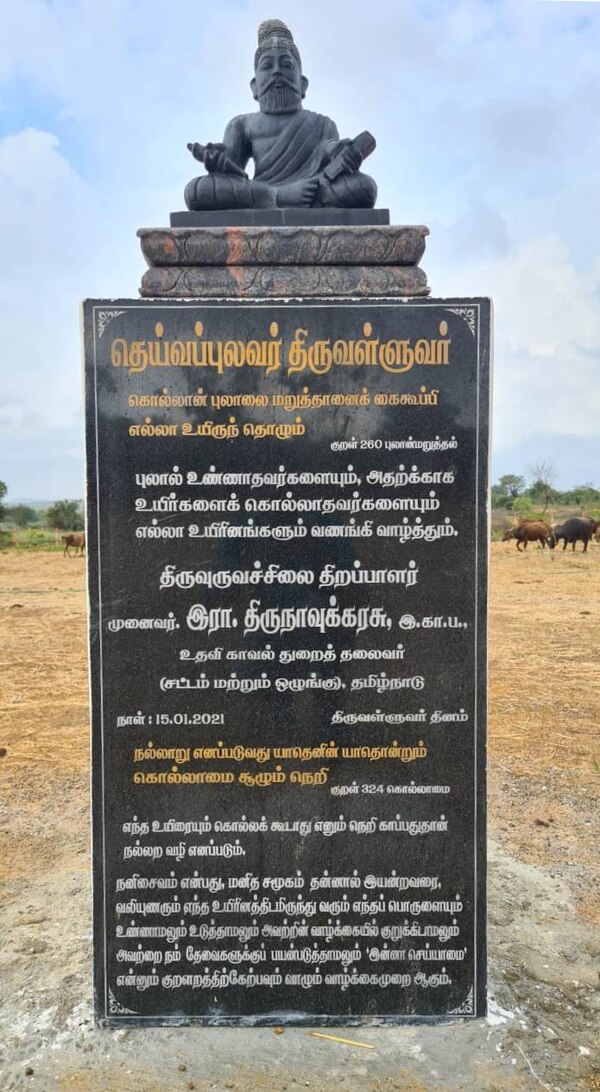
[
  {"x": 257, "y": 217},
  {"x": 282, "y": 281},
  {"x": 356, "y": 246},
  {"x": 258, "y": 261}
]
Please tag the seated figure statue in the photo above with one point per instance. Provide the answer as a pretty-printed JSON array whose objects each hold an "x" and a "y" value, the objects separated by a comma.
[{"x": 299, "y": 159}]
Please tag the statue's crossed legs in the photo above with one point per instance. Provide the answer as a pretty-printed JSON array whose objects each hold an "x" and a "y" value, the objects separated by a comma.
[{"x": 227, "y": 191}]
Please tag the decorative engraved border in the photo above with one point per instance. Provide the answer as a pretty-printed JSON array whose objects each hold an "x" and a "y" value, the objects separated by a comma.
[
  {"x": 469, "y": 314},
  {"x": 465, "y": 1008},
  {"x": 116, "y": 1008},
  {"x": 104, "y": 317}
]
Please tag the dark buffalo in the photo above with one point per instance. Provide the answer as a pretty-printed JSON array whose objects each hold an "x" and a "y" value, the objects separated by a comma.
[
  {"x": 572, "y": 530},
  {"x": 528, "y": 531}
]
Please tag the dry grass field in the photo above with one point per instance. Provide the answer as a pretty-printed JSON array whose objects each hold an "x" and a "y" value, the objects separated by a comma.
[
  {"x": 544, "y": 703},
  {"x": 543, "y": 771},
  {"x": 544, "y": 642}
]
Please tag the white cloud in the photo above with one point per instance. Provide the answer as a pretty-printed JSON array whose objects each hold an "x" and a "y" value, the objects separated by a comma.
[
  {"x": 43, "y": 209},
  {"x": 50, "y": 240}
]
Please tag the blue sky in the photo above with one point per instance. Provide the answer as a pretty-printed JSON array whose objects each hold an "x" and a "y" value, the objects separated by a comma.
[{"x": 488, "y": 127}]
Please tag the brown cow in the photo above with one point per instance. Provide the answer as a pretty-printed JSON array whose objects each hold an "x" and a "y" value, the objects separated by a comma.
[
  {"x": 532, "y": 519},
  {"x": 77, "y": 541},
  {"x": 528, "y": 531}
]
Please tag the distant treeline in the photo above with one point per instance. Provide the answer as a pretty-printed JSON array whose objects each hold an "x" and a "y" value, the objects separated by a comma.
[
  {"x": 63, "y": 515},
  {"x": 513, "y": 494}
]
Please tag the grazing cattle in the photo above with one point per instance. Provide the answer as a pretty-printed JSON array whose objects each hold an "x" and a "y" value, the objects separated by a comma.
[
  {"x": 528, "y": 531},
  {"x": 77, "y": 541},
  {"x": 572, "y": 530}
]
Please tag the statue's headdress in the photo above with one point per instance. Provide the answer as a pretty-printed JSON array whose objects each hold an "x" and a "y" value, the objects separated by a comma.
[{"x": 273, "y": 34}]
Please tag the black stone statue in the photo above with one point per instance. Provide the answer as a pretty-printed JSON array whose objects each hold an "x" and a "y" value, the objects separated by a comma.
[{"x": 299, "y": 159}]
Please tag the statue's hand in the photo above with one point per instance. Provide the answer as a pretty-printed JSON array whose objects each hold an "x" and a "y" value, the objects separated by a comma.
[
  {"x": 345, "y": 151},
  {"x": 297, "y": 194},
  {"x": 214, "y": 157},
  {"x": 197, "y": 151}
]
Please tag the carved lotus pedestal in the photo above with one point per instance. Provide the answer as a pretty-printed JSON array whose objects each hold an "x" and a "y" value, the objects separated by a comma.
[{"x": 282, "y": 259}]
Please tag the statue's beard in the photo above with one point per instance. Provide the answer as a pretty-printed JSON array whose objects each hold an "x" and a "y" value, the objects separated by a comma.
[{"x": 280, "y": 100}]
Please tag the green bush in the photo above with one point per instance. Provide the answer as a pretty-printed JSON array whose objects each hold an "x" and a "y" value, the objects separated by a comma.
[
  {"x": 524, "y": 507},
  {"x": 34, "y": 538},
  {"x": 6, "y": 539}
]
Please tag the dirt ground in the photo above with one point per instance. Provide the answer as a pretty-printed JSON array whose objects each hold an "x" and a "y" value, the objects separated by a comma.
[{"x": 544, "y": 905}]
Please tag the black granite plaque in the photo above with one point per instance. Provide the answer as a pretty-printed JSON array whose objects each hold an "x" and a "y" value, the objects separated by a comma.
[{"x": 287, "y": 575}]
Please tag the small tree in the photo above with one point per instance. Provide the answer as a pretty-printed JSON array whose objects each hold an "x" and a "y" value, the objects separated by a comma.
[
  {"x": 511, "y": 484},
  {"x": 3, "y": 492},
  {"x": 65, "y": 515},
  {"x": 543, "y": 471},
  {"x": 541, "y": 489},
  {"x": 506, "y": 490}
]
